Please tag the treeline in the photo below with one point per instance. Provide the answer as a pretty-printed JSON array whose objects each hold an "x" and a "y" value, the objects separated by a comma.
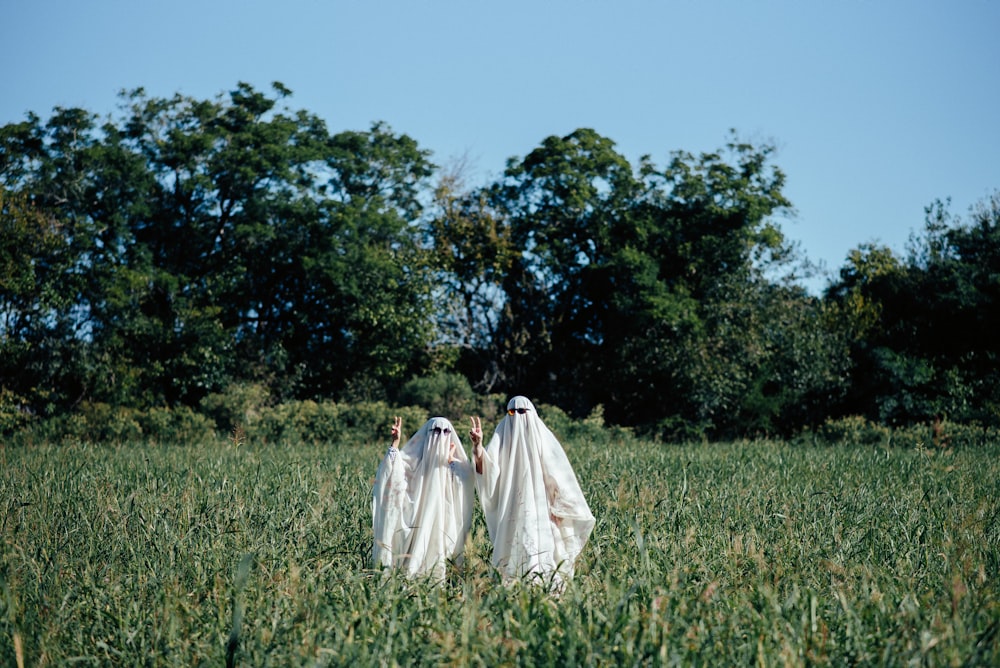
[{"x": 184, "y": 251}]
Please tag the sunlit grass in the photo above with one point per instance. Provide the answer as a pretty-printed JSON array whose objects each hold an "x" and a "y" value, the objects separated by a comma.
[{"x": 726, "y": 554}]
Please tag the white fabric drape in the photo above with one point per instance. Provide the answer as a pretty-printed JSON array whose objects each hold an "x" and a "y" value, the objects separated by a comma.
[
  {"x": 536, "y": 514},
  {"x": 422, "y": 502}
]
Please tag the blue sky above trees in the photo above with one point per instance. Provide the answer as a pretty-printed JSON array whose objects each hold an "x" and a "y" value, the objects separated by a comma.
[{"x": 877, "y": 109}]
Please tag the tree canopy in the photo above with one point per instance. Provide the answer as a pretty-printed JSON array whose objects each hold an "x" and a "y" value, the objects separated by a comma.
[{"x": 183, "y": 247}]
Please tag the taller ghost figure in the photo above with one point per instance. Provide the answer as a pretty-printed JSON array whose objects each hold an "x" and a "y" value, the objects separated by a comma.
[{"x": 536, "y": 515}]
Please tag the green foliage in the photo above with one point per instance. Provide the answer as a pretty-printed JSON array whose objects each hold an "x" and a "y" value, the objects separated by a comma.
[
  {"x": 676, "y": 429},
  {"x": 942, "y": 435},
  {"x": 103, "y": 423},
  {"x": 443, "y": 394},
  {"x": 854, "y": 430},
  {"x": 490, "y": 408},
  {"x": 39, "y": 288},
  {"x": 12, "y": 412},
  {"x": 922, "y": 327},
  {"x": 176, "y": 425},
  {"x": 473, "y": 251},
  {"x": 233, "y": 255},
  {"x": 733, "y": 554},
  {"x": 937, "y": 435},
  {"x": 328, "y": 422},
  {"x": 239, "y": 405},
  {"x": 592, "y": 429},
  {"x": 644, "y": 290},
  {"x": 206, "y": 243}
]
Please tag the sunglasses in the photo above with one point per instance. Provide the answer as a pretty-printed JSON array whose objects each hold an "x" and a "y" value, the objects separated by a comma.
[
  {"x": 438, "y": 431},
  {"x": 522, "y": 411}
]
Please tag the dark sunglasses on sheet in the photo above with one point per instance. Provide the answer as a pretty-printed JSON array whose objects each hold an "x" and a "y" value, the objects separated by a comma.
[
  {"x": 522, "y": 411},
  {"x": 437, "y": 431}
]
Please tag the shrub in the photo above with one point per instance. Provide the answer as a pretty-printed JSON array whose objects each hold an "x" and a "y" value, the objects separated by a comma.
[
  {"x": 443, "y": 394},
  {"x": 97, "y": 423},
  {"x": 239, "y": 405},
  {"x": 676, "y": 429},
  {"x": 176, "y": 425},
  {"x": 13, "y": 415},
  {"x": 490, "y": 407},
  {"x": 853, "y": 429},
  {"x": 591, "y": 428},
  {"x": 103, "y": 423},
  {"x": 942, "y": 434},
  {"x": 330, "y": 422},
  {"x": 296, "y": 421},
  {"x": 965, "y": 435}
]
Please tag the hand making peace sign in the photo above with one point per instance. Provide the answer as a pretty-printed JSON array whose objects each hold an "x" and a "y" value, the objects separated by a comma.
[{"x": 397, "y": 429}]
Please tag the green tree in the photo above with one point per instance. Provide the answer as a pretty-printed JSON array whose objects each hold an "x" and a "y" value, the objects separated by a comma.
[
  {"x": 712, "y": 241},
  {"x": 643, "y": 290},
  {"x": 231, "y": 240},
  {"x": 50, "y": 248},
  {"x": 922, "y": 325},
  {"x": 472, "y": 253},
  {"x": 567, "y": 205},
  {"x": 39, "y": 353}
]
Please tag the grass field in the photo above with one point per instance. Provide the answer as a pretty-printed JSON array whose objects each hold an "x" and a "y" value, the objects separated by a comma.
[{"x": 726, "y": 554}]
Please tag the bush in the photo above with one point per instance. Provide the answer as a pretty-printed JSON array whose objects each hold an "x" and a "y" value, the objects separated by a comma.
[
  {"x": 103, "y": 423},
  {"x": 966, "y": 435},
  {"x": 329, "y": 422},
  {"x": 676, "y": 429},
  {"x": 592, "y": 428},
  {"x": 13, "y": 414},
  {"x": 939, "y": 434},
  {"x": 942, "y": 434},
  {"x": 239, "y": 405},
  {"x": 176, "y": 425},
  {"x": 443, "y": 394},
  {"x": 490, "y": 408},
  {"x": 94, "y": 423},
  {"x": 853, "y": 429}
]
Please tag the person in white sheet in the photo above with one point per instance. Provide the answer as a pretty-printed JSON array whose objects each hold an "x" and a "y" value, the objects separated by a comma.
[
  {"x": 536, "y": 515},
  {"x": 422, "y": 501}
]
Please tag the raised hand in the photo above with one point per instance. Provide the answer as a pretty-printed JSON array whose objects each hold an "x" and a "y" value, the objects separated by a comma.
[
  {"x": 476, "y": 434},
  {"x": 397, "y": 429}
]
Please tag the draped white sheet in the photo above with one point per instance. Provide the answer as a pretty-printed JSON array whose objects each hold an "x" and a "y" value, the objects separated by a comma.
[
  {"x": 536, "y": 514},
  {"x": 422, "y": 502}
]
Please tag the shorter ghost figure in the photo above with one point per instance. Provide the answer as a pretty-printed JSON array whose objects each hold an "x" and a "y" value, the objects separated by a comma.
[
  {"x": 536, "y": 515},
  {"x": 422, "y": 501}
]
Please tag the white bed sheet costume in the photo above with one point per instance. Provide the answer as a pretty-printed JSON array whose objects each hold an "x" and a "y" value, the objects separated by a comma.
[
  {"x": 537, "y": 517},
  {"x": 422, "y": 502}
]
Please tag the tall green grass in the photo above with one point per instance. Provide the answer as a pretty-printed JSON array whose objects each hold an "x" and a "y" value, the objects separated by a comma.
[{"x": 726, "y": 554}]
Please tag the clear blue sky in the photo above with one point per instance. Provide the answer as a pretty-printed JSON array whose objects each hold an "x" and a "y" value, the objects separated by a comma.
[{"x": 877, "y": 107}]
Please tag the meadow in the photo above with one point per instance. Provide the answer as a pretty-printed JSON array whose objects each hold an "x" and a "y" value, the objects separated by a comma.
[{"x": 747, "y": 553}]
